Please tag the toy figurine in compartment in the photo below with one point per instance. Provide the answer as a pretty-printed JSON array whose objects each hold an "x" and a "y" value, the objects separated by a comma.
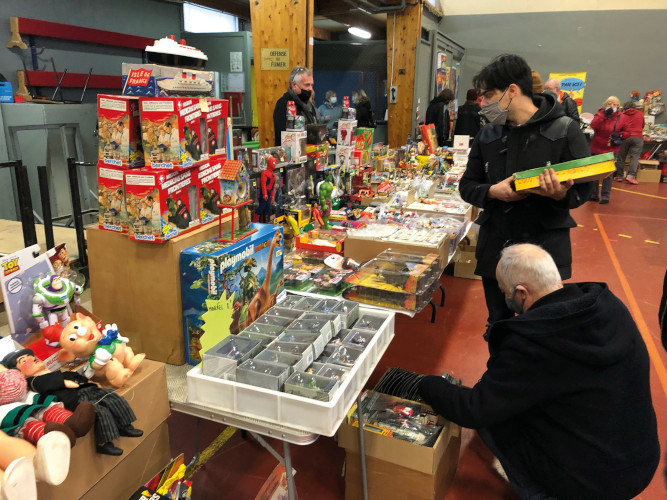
[
  {"x": 291, "y": 301},
  {"x": 329, "y": 350},
  {"x": 320, "y": 316},
  {"x": 308, "y": 303},
  {"x": 339, "y": 372},
  {"x": 348, "y": 310},
  {"x": 284, "y": 311},
  {"x": 311, "y": 386},
  {"x": 345, "y": 355},
  {"x": 53, "y": 296},
  {"x": 326, "y": 306},
  {"x": 222, "y": 359},
  {"x": 326, "y": 190},
  {"x": 332, "y": 281},
  {"x": 266, "y": 192},
  {"x": 295, "y": 362},
  {"x": 299, "y": 348},
  {"x": 262, "y": 374},
  {"x": 359, "y": 338}
]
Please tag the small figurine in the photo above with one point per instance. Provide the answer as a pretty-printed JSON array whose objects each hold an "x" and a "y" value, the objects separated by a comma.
[
  {"x": 317, "y": 215},
  {"x": 326, "y": 189},
  {"x": 54, "y": 294},
  {"x": 267, "y": 192},
  {"x": 109, "y": 355}
]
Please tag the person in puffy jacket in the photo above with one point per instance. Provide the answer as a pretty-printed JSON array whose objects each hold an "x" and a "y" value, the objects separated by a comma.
[
  {"x": 632, "y": 143},
  {"x": 607, "y": 121}
]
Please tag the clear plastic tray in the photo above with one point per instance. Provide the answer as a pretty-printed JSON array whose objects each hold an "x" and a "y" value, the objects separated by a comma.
[
  {"x": 323, "y": 327},
  {"x": 221, "y": 359},
  {"x": 345, "y": 355},
  {"x": 369, "y": 322},
  {"x": 295, "y": 362},
  {"x": 311, "y": 386},
  {"x": 336, "y": 321},
  {"x": 280, "y": 321},
  {"x": 317, "y": 340},
  {"x": 262, "y": 374},
  {"x": 301, "y": 349},
  {"x": 284, "y": 312},
  {"x": 348, "y": 310},
  {"x": 359, "y": 338},
  {"x": 290, "y": 301}
]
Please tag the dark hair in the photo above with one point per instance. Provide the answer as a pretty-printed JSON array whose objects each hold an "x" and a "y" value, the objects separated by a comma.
[
  {"x": 503, "y": 71},
  {"x": 446, "y": 95}
]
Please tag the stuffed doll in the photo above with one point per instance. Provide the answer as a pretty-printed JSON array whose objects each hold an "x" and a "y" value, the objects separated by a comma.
[
  {"x": 108, "y": 354},
  {"x": 21, "y": 464},
  {"x": 30, "y": 416},
  {"x": 113, "y": 415}
]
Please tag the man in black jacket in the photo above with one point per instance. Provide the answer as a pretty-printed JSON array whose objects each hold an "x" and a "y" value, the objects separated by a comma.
[
  {"x": 300, "y": 91},
  {"x": 565, "y": 402},
  {"x": 524, "y": 132},
  {"x": 438, "y": 114},
  {"x": 568, "y": 103}
]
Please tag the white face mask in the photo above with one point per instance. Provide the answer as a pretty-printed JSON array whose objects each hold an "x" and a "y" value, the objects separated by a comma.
[
  {"x": 333, "y": 100},
  {"x": 494, "y": 113}
]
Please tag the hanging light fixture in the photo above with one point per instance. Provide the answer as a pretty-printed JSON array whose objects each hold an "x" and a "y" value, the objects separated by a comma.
[{"x": 352, "y": 30}]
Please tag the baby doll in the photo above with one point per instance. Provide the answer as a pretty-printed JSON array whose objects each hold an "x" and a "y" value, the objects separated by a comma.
[
  {"x": 113, "y": 415},
  {"x": 30, "y": 416}
]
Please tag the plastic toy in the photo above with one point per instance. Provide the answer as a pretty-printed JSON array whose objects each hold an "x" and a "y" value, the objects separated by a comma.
[
  {"x": 317, "y": 215},
  {"x": 107, "y": 352},
  {"x": 326, "y": 189},
  {"x": 53, "y": 295},
  {"x": 267, "y": 192}
]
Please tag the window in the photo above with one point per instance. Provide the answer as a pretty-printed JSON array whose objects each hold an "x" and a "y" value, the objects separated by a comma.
[{"x": 197, "y": 19}]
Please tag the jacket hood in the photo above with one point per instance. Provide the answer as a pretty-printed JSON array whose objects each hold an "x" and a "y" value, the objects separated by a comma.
[
  {"x": 593, "y": 328},
  {"x": 632, "y": 112},
  {"x": 548, "y": 108}
]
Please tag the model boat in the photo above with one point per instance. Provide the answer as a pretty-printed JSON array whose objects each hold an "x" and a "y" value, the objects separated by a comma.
[
  {"x": 185, "y": 84},
  {"x": 168, "y": 52}
]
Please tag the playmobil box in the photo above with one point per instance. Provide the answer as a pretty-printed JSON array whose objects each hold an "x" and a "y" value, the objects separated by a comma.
[
  {"x": 171, "y": 131},
  {"x": 208, "y": 186},
  {"x": 153, "y": 80},
  {"x": 119, "y": 131},
  {"x": 111, "y": 198},
  {"x": 226, "y": 286},
  {"x": 215, "y": 145},
  {"x": 161, "y": 204}
]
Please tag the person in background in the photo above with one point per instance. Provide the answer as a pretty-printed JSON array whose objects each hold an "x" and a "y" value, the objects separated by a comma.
[
  {"x": 632, "y": 143},
  {"x": 537, "y": 82},
  {"x": 525, "y": 131},
  {"x": 570, "y": 105},
  {"x": 437, "y": 113},
  {"x": 607, "y": 121},
  {"x": 300, "y": 90},
  {"x": 468, "y": 118},
  {"x": 565, "y": 402},
  {"x": 362, "y": 104},
  {"x": 330, "y": 110}
]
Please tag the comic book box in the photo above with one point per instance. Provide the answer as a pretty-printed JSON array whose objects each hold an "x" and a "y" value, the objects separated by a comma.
[
  {"x": 224, "y": 286},
  {"x": 161, "y": 204},
  {"x": 119, "y": 131},
  {"x": 111, "y": 198},
  {"x": 171, "y": 131}
]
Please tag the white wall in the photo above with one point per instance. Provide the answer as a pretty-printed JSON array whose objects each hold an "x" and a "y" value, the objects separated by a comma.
[{"x": 458, "y": 8}]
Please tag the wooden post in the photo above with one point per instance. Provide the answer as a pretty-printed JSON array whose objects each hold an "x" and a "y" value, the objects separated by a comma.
[
  {"x": 403, "y": 33},
  {"x": 277, "y": 24}
]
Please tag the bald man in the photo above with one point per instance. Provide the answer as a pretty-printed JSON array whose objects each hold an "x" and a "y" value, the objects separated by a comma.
[
  {"x": 565, "y": 403},
  {"x": 568, "y": 103}
]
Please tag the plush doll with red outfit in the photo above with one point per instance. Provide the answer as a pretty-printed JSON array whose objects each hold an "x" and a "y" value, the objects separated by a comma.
[{"x": 267, "y": 192}]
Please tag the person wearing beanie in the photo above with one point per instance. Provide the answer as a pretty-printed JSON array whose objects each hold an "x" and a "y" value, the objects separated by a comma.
[
  {"x": 438, "y": 114},
  {"x": 468, "y": 117}
]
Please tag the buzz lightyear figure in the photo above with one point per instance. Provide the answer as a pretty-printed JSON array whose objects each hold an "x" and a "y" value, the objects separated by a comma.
[{"x": 53, "y": 295}]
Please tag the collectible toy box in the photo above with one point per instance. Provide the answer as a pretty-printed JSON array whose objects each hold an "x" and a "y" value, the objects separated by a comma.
[
  {"x": 172, "y": 129},
  {"x": 208, "y": 185},
  {"x": 152, "y": 80},
  {"x": 581, "y": 170},
  {"x": 225, "y": 287},
  {"x": 347, "y": 133},
  {"x": 111, "y": 198},
  {"x": 295, "y": 141},
  {"x": 160, "y": 204},
  {"x": 215, "y": 145},
  {"x": 282, "y": 155},
  {"x": 119, "y": 131}
]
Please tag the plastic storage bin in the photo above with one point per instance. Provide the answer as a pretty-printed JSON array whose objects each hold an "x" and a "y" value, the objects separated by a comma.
[
  {"x": 311, "y": 386},
  {"x": 221, "y": 359},
  {"x": 262, "y": 374}
]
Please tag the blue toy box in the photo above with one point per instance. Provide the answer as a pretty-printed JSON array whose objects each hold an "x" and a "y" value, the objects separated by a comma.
[{"x": 226, "y": 286}]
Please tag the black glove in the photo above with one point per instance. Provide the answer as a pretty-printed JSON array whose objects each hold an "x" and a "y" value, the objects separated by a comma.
[{"x": 608, "y": 112}]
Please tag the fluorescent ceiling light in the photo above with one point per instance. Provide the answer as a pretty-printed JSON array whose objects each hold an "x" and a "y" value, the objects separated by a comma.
[{"x": 358, "y": 32}]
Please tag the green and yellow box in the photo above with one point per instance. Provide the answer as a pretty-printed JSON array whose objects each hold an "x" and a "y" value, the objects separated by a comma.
[{"x": 581, "y": 170}]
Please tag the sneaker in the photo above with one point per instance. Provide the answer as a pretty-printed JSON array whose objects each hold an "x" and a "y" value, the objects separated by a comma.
[
  {"x": 619, "y": 179},
  {"x": 631, "y": 180},
  {"x": 604, "y": 201}
]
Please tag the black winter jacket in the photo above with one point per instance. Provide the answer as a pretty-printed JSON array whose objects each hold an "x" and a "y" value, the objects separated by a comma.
[
  {"x": 309, "y": 111},
  {"x": 365, "y": 114},
  {"x": 566, "y": 396},
  {"x": 497, "y": 152},
  {"x": 437, "y": 113},
  {"x": 468, "y": 120}
]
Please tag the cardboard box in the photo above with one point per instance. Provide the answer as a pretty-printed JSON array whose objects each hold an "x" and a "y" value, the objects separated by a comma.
[
  {"x": 282, "y": 155},
  {"x": 95, "y": 476},
  {"x": 344, "y": 156},
  {"x": 399, "y": 469},
  {"x": 172, "y": 129},
  {"x": 295, "y": 141},
  {"x": 215, "y": 273},
  {"x": 362, "y": 250},
  {"x": 153, "y": 80},
  {"x": 147, "y": 306},
  {"x": 161, "y": 205},
  {"x": 581, "y": 170},
  {"x": 216, "y": 112},
  {"x": 119, "y": 131},
  {"x": 649, "y": 171},
  {"x": 347, "y": 134},
  {"x": 208, "y": 187},
  {"x": 111, "y": 198},
  {"x": 364, "y": 139},
  {"x": 465, "y": 263}
]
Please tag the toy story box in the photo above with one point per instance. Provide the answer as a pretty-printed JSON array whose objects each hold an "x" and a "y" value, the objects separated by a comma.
[
  {"x": 172, "y": 129},
  {"x": 215, "y": 145},
  {"x": 226, "y": 286},
  {"x": 161, "y": 204},
  {"x": 111, "y": 198},
  {"x": 119, "y": 131}
]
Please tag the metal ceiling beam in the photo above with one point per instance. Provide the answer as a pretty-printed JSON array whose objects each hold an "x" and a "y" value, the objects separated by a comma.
[{"x": 239, "y": 8}]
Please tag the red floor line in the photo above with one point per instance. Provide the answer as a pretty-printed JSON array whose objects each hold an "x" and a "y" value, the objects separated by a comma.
[{"x": 634, "y": 309}]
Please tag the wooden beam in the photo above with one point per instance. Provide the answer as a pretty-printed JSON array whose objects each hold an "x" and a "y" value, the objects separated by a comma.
[
  {"x": 310, "y": 32},
  {"x": 279, "y": 24},
  {"x": 402, "y": 44},
  {"x": 322, "y": 34}
]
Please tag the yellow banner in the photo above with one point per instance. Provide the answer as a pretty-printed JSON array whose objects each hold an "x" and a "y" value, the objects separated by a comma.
[{"x": 573, "y": 84}]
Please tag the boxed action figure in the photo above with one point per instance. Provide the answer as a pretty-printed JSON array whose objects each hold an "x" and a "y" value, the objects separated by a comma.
[
  {"x": 294, "y": 141},
  {"x": 153, "y": 80},
  {"x": 172, "y": 128},
  {"x": 282, "y": 155},
  {"x": 208, "y": 185},
  {"x": 226, "y": 287},
  {"x": 119, "y": 131},
  {"x": 347, "y": 133},
  {"x": 111, "y": 198},
  {"x": 160, "y": 205},
  {"x": 215, "y": 145}
]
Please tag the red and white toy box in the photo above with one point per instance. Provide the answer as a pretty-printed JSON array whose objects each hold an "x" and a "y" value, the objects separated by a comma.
[
  {"x": 215, "y": 145},
  {"x": 171, "y": 131},
  {"x": 119, "y": 131},
  {"x": 161, "y": 204},
  {"x": 208, "y": 185},
  {"x": 111, "y": 198}
]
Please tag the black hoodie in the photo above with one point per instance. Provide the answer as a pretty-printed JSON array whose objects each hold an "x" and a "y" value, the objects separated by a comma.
[
  {"x": 566, "y": 395},
  {"x": 499, "y": 151}
]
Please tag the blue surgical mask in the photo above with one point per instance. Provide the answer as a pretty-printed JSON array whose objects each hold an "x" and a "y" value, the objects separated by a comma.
[
  {"x": 333, "y": 100},
  {"x": 513, "y": 305}
]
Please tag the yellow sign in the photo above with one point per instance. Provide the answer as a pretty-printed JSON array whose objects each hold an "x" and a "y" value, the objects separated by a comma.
[
  {"x": 275, "y": 59},
  {"x": 572, "y": 84}
]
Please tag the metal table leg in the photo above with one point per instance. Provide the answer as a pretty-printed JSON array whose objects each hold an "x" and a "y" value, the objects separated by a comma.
[
  {"x": 362, "y": 450},
  {"x": 442, "y": 298},
  {"x": 291, "y": 488}
]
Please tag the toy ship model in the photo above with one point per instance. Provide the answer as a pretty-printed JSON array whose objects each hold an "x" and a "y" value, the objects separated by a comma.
[
  {"x": 169, "y": 52},
  {"x": 185, "y": 84}
]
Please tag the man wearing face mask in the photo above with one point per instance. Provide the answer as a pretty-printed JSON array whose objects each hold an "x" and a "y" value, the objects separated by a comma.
[
  {"x": 300, "y": 91},
  {"x": 525, "y": 131},
  {"x": 565, "y": 402}
]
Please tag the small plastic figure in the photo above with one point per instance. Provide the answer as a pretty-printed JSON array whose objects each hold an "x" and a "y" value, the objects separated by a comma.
[
  {"x": 53, "y": 295},
  {"x": 326, "y": 189},
  {"x": 267, "y": 192}
]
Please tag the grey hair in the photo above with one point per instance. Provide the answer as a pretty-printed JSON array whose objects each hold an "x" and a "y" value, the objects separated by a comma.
[
  {"x": 359, "y": 95},
  {"x": 328, "y": 95},
  {"x": 528, "y": 265},
  {"x": 297, "y": 71}
]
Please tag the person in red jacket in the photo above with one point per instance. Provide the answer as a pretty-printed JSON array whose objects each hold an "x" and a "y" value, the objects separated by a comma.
[
  {"x": 632, "y": 143},
  {"x": 607, "y": 121}
]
